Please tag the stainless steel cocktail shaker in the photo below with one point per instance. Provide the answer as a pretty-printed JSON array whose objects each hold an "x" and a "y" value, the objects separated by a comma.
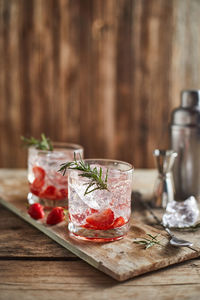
[{"x": 185, "y": 140}]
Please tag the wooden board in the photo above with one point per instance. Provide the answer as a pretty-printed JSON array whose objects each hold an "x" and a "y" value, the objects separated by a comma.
[{"x": 121, "y": 259}]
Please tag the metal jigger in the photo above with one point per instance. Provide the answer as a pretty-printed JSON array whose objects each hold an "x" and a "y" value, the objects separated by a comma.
[{"x": 164, "y": 187}]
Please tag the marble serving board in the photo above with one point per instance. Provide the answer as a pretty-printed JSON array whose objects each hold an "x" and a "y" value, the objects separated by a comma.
[{"x": 121, "y": 259}]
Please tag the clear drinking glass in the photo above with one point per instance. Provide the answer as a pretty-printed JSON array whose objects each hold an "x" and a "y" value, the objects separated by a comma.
[
  {"x": 102, "y": 215},
  {"x": 47, "y": 185}
]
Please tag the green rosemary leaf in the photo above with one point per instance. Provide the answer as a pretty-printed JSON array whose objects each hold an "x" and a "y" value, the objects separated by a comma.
[
  {"x": 140, "y": 242},
  {"x": 43, "y": 144},
  {"x": 88, "y": 187},
  {"x": 95, "y": 170},
  {"x": 90, "y": 191},
  {"x": 106, "y": 179},
  {"x": 86, "y": 174},
  {"x": 94, "y": 175},
  {"x": 100, "y": 173},
  {"x": 64, "y": 167},
  {"x": 148, "y": 242},
  {"x": 149, "y": 245},
  {"x": 152, "y": 236}
]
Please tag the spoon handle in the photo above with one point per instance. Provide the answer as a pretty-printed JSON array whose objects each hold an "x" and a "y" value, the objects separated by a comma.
[
  {"x": 147, "y": 206},
  {"x": 168, "y": 231}
]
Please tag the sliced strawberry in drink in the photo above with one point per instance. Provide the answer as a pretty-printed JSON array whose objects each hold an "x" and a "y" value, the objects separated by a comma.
[
  {"x": 34, "y": 190},
  {"x": 63, "y": 193},
  {"x": 36, "y": 186},
  {"x": 89, "y": 226},
  {"x": 81, "y": 217},
  {"x": 92, "y": 210},
  {"x": 38, "y": 172},
  {"x": 49, "y": 193},
  {"x": 118, "y": 222},
  {"x": 101, "y": 220},
  {"x": 38, "y": 182}
]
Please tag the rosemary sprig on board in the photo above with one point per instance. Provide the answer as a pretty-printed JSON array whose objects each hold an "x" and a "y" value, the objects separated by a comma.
[
  {"x": 43, "y": 144},
  {"x": 94, "y": 175},
  {"x": 148, "y": 242}
]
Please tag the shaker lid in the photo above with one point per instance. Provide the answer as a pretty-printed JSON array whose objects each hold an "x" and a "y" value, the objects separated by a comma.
[
  {"x": 188, "y": 114},
  {"x": 190, "y": 98}
]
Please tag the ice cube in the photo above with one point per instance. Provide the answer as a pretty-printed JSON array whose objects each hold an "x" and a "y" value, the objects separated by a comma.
[
  {"x": 181, "y": 214},
  {"x": 97, "y": 199}
]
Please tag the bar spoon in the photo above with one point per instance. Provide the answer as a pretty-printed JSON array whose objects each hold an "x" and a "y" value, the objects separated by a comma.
[{"x": 174, "y": 241}]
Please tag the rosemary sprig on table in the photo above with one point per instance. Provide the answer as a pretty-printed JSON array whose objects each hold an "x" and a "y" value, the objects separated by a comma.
[
  {"x": 43, "y": 144},
  {"x": 148, "y": 242},
  {"x": 96, "y": 180}
]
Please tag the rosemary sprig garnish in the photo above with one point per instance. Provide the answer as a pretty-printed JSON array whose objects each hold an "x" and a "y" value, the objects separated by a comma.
[
  {"x": 43, "y": 144},
  {"x": 148, "y": 242},
  {"x": 96, "y": 180}
]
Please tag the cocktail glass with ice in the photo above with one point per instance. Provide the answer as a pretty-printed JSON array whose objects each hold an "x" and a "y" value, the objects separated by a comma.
[
  {"x": 47, "y": 185},
  {"x": 99, "y": 214}
]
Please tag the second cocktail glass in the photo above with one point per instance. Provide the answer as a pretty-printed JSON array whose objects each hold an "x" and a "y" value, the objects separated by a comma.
[{"x": 47, "y": 185}]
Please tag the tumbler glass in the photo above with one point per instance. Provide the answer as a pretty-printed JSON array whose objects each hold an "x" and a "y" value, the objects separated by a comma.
[
  {"x": 102, "y": 214},
  {"x": 47, "y": 185}
]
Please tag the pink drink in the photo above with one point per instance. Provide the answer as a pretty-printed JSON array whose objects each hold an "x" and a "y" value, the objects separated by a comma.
[
  {"x": 102, "y": 215},
  {"x": 47, "y": 185}
]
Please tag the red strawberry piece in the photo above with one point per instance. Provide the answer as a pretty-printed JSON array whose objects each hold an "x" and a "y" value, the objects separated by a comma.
[
  {"x": 38, "y": 182},
  {"x": 36, "y": 211},
  {"x": 81, "y": 217},
  {"x": 34, "y": 190},
  {"x": 55, "y": 216},
  {"x": 101, "y": 220},
  {"x": 39, "y": 173},
  {"x": 118, "y": 222},
  {"x": 89, "y": 226},
  {"x": 62, "y": 193},
  {"x": 49, "y": 193},
  {"x": 92, "y": 210}
]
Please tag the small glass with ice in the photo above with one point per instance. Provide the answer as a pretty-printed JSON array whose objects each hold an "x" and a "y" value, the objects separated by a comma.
[
  {"x": 47, "y": 185},
  {"x": 100, "y": 215}
]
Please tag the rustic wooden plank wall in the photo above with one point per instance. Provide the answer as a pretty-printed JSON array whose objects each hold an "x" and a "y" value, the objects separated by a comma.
[{"x": 105, "y": 74}]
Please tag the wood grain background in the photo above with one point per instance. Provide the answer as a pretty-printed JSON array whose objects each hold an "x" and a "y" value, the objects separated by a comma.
[{"x": 105, "y": 74}]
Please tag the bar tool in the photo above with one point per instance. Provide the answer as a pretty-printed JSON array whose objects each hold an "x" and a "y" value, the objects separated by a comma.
[
  {"x": 174, "y": 240},
  {"x": 164, "y": 186}
]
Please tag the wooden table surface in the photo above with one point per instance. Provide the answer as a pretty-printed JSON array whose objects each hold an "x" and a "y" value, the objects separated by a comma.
[{"x": 32, "y": 266}]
